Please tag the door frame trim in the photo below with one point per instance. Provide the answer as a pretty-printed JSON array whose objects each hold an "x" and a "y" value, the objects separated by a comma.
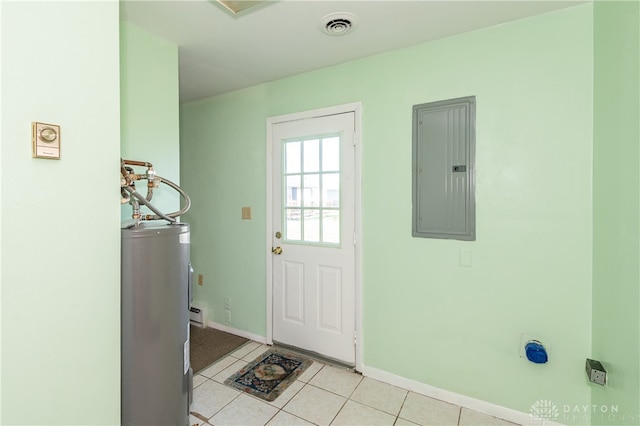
[{"x": 356, "y": 108}]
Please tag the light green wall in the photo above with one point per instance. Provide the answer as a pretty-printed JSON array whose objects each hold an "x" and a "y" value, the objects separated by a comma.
[
  {"x": 616, "y": 251},
  {"x": 150, "y": 110},
  {"x": 425, "y": 317},
  {"x": 60, "y": 219},
  {"x": 1, "y": 303},
  {"x": 223, "y": 169}
]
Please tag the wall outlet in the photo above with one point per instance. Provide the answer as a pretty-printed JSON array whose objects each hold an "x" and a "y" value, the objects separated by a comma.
[
  {"x": 200, "y": 279},
  {"x": 227, "y": 315},
  {"x": 596, "y": 372},
  {"x": 227, "y": 302},
  {"x": 524, "y": 338}
]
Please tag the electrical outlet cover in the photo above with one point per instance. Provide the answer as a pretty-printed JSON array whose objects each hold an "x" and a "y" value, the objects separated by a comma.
[
  {"x": 524, "y": 338},
  {"x": 596, "y": 372}
]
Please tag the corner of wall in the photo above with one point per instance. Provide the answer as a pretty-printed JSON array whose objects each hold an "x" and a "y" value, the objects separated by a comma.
[
  {"x": 616, "y": 205},
  {"x": 150, "y": 109}
]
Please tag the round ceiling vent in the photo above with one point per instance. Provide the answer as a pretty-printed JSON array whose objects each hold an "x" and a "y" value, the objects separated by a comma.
[{"x": 337, "y": 24}]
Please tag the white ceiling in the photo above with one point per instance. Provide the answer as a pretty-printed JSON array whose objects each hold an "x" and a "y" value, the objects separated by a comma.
[{"x": 220, "y": 52}]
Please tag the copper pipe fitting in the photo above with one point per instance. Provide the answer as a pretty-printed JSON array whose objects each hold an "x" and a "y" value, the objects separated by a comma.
[{"x": 138, "y": 163}]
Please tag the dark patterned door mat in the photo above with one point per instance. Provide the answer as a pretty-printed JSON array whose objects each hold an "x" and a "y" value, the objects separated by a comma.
[{"x": 269, "y": 374}]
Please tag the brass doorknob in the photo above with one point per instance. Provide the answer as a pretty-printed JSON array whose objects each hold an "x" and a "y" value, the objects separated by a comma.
[{"x": 276, "y": 250}]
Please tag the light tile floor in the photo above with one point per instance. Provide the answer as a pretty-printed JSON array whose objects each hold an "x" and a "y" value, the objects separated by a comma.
[{"x": 322, "y": 395}]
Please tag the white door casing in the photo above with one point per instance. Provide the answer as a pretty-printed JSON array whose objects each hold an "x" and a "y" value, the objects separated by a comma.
[{"x": 313, "y": 291}]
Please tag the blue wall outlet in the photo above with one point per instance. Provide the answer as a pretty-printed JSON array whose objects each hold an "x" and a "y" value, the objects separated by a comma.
[{"x": 536, "y": 352}]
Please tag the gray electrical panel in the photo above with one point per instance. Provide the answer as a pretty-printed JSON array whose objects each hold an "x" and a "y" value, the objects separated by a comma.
[{"x": 444, "y": 169}]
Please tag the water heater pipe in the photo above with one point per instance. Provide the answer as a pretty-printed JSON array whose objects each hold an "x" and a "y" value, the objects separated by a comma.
[
  {"x": 144, "y": 201},
  {"x": 127, "y": 183}
]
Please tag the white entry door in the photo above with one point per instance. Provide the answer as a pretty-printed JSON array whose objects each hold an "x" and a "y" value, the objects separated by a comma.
[{"x": 313, "y": 229}]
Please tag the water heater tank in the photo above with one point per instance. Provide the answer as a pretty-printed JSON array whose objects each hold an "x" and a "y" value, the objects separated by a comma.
[{"x": 156, "y": 293}]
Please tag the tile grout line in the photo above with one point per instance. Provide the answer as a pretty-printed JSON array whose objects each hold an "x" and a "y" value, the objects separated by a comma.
[
  {"x": 347, "y": 399},
  {"x": 293, "y": 396},
  {"x": 341, "y": 407},
  {"x": 304, "y": 384},
  {"x": 401, "y": 406},
  {"x": 223, "y": 407},
  {"x": 365, "y": 404}
]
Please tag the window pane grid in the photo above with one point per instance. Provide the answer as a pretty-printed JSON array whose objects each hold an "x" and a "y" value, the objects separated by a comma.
[{"x": 311, "y": 180}]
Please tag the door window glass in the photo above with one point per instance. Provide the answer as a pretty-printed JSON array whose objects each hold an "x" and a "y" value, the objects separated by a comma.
[{"x": 311, "y": 176}]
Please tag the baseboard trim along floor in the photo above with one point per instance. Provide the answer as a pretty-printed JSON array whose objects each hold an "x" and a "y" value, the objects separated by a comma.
[{"x": 241, "y": 333}]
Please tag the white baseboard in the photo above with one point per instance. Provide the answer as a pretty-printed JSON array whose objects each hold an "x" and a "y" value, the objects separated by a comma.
[
  {"x": 455, "y": 398},
  {"x": 237, "y": 332}
]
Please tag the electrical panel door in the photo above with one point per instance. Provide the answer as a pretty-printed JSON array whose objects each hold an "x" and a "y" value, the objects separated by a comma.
[{"x": 443, "y": 169}]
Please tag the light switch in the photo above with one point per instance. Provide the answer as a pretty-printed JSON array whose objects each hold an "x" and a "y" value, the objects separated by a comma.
[
  {"x": 45, "y": 140},
  {"x": 246, "y": 213}
]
